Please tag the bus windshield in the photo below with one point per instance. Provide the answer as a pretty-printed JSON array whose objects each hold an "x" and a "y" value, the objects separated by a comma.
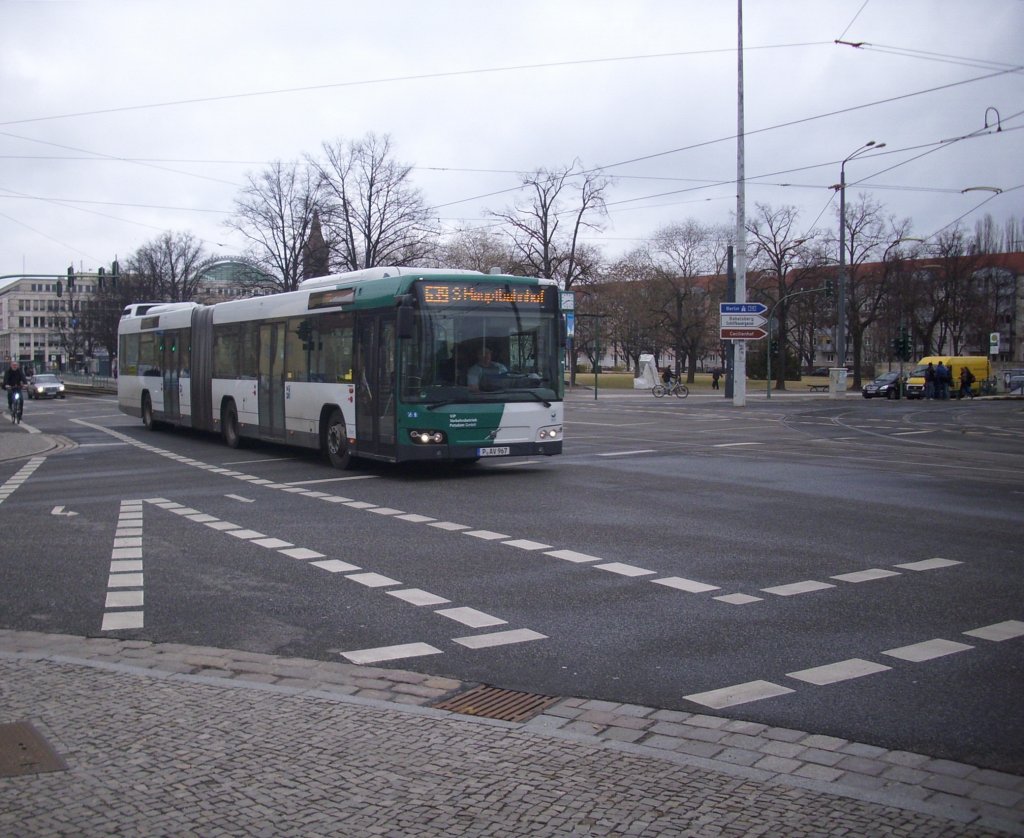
[{"x": 482, "y": 342}]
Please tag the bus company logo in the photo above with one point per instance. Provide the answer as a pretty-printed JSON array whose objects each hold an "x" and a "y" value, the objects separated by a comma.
[{"x": 462, "y": 421}]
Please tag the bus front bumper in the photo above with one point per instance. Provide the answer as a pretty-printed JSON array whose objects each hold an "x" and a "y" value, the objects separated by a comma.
[{"x": 472, "y": 452}]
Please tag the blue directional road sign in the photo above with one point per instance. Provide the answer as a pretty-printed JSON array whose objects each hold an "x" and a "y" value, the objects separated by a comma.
[{"x": 742, "y": 308}]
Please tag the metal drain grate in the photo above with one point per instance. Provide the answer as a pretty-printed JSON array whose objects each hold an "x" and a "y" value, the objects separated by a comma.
[
  {"x": 24, "y": 751},
  {"x": 497, "y": 703}
]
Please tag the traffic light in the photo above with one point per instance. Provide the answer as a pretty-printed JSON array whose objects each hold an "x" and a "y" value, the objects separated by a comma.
[
  {"x": 101, "y": 273},
  {"x": 774, "y": 346},
  {"x": 830, "y": 289},
  {"x": 71, "y": 278},
  {"x": 905, "y": 347}
]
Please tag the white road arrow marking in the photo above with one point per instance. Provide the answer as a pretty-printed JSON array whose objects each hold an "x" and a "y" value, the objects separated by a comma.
[{"x": 59, "y": 510}]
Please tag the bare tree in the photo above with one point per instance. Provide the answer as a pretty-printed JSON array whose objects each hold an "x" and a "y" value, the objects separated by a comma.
[
  {"x": 961, "y": 289},
  {"x": 685, "y": 256},
  {"x": 780, "y": 254},
  {"x": 170, "y": 266},
  {"x": 116, "y": 291},
  {"x": 476, "y": 250},
  {"x": 376, "y": 216},
  {"x": 868, "y": 234},
  {"x": 275, "y": 213},
  {"x": 626, "y": 296},
  {"x": 545, "y": 230}
]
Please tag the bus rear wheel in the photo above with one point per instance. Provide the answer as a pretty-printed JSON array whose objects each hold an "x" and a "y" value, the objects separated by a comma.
[
  {"x": 336, "y": 441},
  {"x": 229, "y": 426}
]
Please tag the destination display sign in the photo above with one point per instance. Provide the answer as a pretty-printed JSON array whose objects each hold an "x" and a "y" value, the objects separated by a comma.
[{"x": 462, "y": 293}]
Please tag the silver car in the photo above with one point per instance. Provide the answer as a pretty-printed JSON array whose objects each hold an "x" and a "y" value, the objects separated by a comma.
[{"x": 45, "y": 386}]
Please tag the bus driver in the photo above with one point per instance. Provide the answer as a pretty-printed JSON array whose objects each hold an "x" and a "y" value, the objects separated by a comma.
[{"x": 485, "y": 366}]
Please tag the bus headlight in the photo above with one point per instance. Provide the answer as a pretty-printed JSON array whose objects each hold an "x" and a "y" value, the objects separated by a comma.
[
  {"x": 549, "y": 433},
  {"x": 427, "y": 437}
]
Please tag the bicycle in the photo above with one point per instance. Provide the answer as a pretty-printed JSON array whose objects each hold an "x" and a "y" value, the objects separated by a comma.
[
  {"x": 17, "y": 407},
  {"x": 676, "y": 388}
]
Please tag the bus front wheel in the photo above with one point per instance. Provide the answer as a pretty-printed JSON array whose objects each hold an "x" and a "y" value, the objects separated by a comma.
[
  {"x": 147, "y": 413},
  {"x": 229, "y": 426},
  {"x": 336, "y": 441}
]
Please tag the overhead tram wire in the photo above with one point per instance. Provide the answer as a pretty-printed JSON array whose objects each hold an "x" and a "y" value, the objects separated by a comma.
[
  {"x": 732, "y": 137},
  {"x": 395, "y": 79},
  {"x": 112, "y": 157}
]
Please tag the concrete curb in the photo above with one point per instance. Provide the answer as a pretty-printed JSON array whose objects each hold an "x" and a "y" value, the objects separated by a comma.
[{"x": 781, "y": 757}]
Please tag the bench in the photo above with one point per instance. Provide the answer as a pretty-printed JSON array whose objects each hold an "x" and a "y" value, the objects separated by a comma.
[{"x": 818, "y": 388}]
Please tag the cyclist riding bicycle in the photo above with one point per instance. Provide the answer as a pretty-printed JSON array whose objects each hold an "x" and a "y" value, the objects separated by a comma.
[{"x": 14, "y": 379}]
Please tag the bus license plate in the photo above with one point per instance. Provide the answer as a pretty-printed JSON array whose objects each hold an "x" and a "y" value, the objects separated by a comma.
[{"x": 496, "y": 451}]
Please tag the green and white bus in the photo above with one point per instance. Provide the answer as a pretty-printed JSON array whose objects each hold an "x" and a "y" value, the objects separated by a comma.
[{"x": 373, "y": 364}]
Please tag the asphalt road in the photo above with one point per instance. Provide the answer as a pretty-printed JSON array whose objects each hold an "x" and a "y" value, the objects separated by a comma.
[{"x": 849, "y": 567}]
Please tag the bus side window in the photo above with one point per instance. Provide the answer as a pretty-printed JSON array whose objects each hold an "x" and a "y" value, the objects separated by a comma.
[
  {"x": 300, "y": 350},
  {"x": 225, "y": 351},
  {"x": 149, "y": 347},
  {"x": 333, "y": 335},
  {"x": 248, "y": 351}
]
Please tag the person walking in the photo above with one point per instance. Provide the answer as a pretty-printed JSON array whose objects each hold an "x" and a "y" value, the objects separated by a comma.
[
  {"x": 929, "y": 381},
  {"x": 966, "y": 380},
  {"x": 942, "y": 379},
  {"x": 715, "y": 375}
]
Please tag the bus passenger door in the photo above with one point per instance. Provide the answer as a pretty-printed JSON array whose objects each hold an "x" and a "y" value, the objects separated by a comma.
[
  {"x": 169, "y": 366},
  {"x": 271, "y": 379},
  {"x": 375, "y": 385}
]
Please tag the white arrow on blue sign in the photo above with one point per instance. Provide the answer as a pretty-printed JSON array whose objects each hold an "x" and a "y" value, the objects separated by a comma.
[{"x": 742, "y": 308}]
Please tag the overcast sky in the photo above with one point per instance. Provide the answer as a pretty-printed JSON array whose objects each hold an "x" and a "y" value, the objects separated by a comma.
[{"x": 122, "y": 119}]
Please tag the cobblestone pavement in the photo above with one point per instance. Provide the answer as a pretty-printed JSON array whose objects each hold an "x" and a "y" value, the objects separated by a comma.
[{"x": 165, "y": 739}]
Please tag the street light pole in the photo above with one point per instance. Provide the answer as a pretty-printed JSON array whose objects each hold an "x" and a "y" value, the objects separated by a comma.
[{"x": 841, "y": 284}]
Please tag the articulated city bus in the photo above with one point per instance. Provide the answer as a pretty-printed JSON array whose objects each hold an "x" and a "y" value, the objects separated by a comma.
[{"x": 381, "y": 364}]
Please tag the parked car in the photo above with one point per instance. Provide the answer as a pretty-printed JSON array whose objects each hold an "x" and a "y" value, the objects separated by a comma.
[
  {"x": 46, "y": 386},
  {"x": 887, "y": 385}
]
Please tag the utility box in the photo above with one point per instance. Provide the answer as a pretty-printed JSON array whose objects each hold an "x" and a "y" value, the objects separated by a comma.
[{"x": 837, "y": 382}]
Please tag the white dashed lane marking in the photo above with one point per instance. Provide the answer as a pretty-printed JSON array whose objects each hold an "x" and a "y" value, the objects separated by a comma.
[
  {"x": 126, "y": 572},
  {"x": 846, "y": 670},
  {"x": 929, "y": 650},
  {"x": 835, "y": 672},
  {"x": 680, "y": 584},
  {"x": 391, "y": 653},
  {"x": 738, "y": 694},
  {"x": 15, "y": 481}
]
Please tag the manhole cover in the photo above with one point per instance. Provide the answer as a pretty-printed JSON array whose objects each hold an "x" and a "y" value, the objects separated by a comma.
[
  {"x": 496, "y": 703},
  {"x": 24, "y": 751}
]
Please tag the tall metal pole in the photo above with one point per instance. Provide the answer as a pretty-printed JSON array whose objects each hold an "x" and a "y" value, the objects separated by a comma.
[
  {"x": 841, "y": 284},
  {"x": 730, "y": 352},
  {"x": 739, "y": 397}
]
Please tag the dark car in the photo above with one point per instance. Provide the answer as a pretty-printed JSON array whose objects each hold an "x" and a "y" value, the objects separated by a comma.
[
  {"x": 45, "y": 386},
  {"x": 887, "y": 385}
]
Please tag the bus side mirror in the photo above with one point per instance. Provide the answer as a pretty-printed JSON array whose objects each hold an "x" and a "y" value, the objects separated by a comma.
[{"x": 405, "y": 321}]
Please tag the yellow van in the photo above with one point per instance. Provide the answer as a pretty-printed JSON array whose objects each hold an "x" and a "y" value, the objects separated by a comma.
[{"x": 979, "y": 366}]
